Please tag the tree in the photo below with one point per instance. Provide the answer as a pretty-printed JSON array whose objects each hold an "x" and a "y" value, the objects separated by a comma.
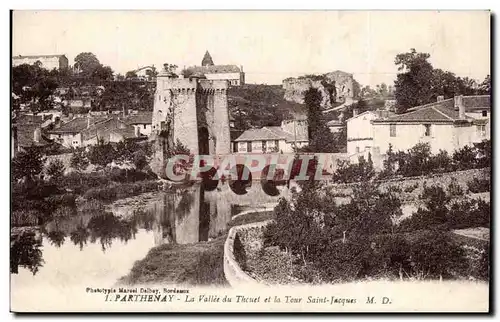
[
  {"x": 87, "y": 63},
  {"x": 151, "y": 73},
  {"x": 101, "y": 154},
  {"x": 103, "y": 73},
  {"x": 34, "y": 85},
  {"x": 79, "y": 160},
  {"x": 55, "y": 170},
  {"x": 414, "y": 83},
  {"x": 321, "y": 138},
  {"x": 131, "y": 74},
  {"x": 27, "y": 165},
  {"x": 485, "y": 86}
]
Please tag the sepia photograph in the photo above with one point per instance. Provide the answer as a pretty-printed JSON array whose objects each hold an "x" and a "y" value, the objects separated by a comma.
[{"x": 250, "y": 161}]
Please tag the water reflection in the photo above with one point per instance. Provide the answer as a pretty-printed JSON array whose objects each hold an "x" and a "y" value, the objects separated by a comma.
[
  {"x": 185, "y": 216},
  {"x": 25, "y": 251}
]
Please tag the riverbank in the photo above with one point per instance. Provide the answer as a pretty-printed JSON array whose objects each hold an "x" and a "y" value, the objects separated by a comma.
[{"x": 199, "y": 264}]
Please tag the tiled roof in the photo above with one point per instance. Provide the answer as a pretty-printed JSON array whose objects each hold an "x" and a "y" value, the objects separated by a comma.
[
  {"x": 216, "y": 69},
  {"x": 434, "y": 113},
  {"x": 25, "y": 136},
  {"x": 476, "y": 102},
  {"x": 473, "y": 102},
  {"x": 77, "y": 125},
  {"x": 37, "y": 56},
  {"x": 127, "y": 133},
  {"x": 107, "y": 126},
  {"x": 140, "y": 118},
  {"x": 268, "y": 133},
  {"x": 28, "y": 119}
]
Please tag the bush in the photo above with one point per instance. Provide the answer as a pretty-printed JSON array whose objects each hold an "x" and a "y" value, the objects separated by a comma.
[
  {"x": 454, "y": 189},
  {"x": 469, "y": 213},
  {"x": 465, "y": 158},
  {"x": 479, "y": 185},
  {"x": 434, "y": 255},
  {"x": 23, "y": 217},
  {"x": 411, "y": 188},
  {"x": 348, "y": 173}
]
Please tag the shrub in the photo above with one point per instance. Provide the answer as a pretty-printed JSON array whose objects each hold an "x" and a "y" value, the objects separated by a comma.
[
  {"x": 411, "y": 188},
  {"x": 101, "y": 154},
  {"x": 64, "y": 212},
  {"x": 23, "y": 217},
  {"x": 441, "y": 162},
  {"x": 361, "y": 171},
  {"x": 415, "y": 162},
  {"x": 435, "y": 197},
  {"x": 454, "y": 188},
  {"x": 465, "y": 158},
  {"x": 55, "y": 170},
  {"x": 434, "y": 255},
  {"x": 479, "y": 185},
  {"x": 469, "y": 213},
  {"x": 105, "y": 194}
]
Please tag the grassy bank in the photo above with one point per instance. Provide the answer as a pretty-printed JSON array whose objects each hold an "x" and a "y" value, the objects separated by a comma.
[{"x": 198, "y": 264}]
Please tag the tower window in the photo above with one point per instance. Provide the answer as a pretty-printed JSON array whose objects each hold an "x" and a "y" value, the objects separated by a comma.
[{"x": 485, "y": 113}]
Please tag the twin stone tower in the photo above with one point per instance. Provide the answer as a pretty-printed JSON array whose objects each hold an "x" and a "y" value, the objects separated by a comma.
[{"x": 193, "y": 111}]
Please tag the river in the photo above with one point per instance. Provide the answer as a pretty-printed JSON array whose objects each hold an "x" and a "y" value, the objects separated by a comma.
[{"x": 96, "y": 249}]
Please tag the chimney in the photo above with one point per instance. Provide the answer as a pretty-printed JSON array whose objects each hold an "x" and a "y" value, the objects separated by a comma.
[
  {"x": 342, "y": 116},
  {"x": 460, "y": 106},
  {"x": 37, "y": 135},
  {"x": 440, "y": 98}
]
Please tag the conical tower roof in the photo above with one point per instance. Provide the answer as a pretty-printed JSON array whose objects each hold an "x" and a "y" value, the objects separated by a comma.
[{"x": 207, "y": 60}]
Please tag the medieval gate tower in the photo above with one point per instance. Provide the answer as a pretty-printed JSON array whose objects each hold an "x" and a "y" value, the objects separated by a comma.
[{"x": 192, "y": 110}]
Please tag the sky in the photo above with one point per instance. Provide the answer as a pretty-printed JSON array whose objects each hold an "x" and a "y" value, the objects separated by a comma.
[{"x": 270, "y": 45}]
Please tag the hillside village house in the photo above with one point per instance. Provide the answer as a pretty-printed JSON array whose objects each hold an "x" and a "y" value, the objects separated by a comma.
[
  {"x": 231, "y": 73},
  {"x": 27, "y": 132},
  {"x": 360, "y": 132},
  {"x": 335, "y": 126},
  {"x": 48, "y": 61},
  {"x": 269, "y": 139},
  {"x": 85, "y": 131},
  {"x": 142, "y": 122},
  {"x": 446, "y": 125}
]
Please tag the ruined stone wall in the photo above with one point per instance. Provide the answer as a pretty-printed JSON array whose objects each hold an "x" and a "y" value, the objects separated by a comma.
[
  {"x": 295, "y": 88},
  {"x": 344, "y": 84}
]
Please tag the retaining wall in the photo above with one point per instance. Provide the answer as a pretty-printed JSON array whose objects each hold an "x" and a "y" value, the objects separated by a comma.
[{"x": 232, "y": 269}]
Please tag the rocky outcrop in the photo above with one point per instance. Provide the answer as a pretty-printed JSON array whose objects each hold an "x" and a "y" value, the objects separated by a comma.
[{"x": 343, "y": 84}]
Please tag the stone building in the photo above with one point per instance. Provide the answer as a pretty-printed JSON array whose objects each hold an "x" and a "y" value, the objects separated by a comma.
[
  {"x": 446, "y": 125},
  {"x": 193, "y": 111},
  {"x": 48, "y": 61},
  {"x": 232, "y": 73},
  {"x": 345, "y": 88},
  {"x": 271, "y": 139}
]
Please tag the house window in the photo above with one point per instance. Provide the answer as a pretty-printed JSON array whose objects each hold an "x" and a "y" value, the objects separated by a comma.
[
  {"x": 357, "y": 149},
  {"x": 427, "y": 130},
  {"x": 144, "y": 126},
  {"x": 242, "y": 146},
  {"x": 485, "y": 113},
  {"x": 481, "y": 129},
  {"x": 249, "y": 146},
  {"x": 392, "y": 129},
  {"x": 276, "y": 143},
  {"x": 264, "y": 146}
]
